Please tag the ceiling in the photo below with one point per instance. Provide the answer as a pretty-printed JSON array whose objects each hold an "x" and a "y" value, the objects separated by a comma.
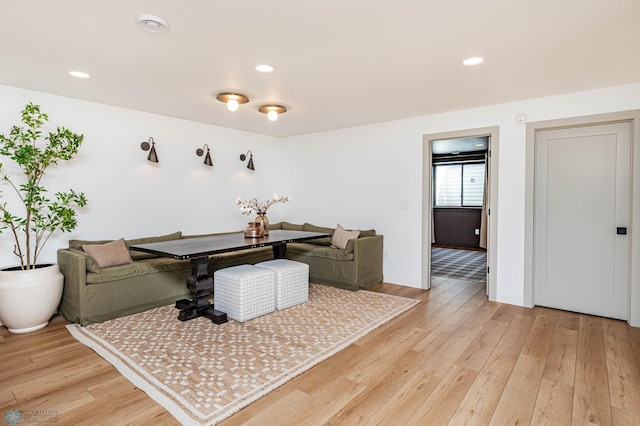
[{"x": 338, "y": 63}]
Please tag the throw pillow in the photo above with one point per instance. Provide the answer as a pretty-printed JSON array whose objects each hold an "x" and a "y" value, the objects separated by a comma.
[
  {"x": 341, "y": 237},
  {"x": 110, "y": 254}
]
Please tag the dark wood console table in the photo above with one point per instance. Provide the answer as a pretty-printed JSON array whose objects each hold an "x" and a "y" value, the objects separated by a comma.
[{"x": 198, "y": 250}]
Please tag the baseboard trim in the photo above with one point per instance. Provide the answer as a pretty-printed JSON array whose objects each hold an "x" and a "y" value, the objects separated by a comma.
[
  {"x": 511, "y": 299},
  {"x": 406, "y": 281}
]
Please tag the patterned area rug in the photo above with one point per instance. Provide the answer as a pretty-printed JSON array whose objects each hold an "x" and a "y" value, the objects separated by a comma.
[
  {"x": 202, "y": 373},
  {"x": 459, "y": 264}
]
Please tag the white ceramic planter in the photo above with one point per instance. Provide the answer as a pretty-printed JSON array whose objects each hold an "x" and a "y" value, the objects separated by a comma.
[{"x": 28, "y": 299}]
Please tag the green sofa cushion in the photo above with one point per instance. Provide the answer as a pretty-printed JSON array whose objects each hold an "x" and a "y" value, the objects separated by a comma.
[
  {"x": 146, "y": 240},
  {"x": 135, "y": 255},
  {"x": 90, "y": 262},
  {"x": 275, "y": 226},
  {"x": 285, "y": 226},
  {"x": 208, "y": 234},
  {"x": 164, "y": 264},
  {"x": 140, "y": 267},
  {"x": 367, "y": 233},
  {"x": 313, "y": 228},
  {"x": 309, "y": 249},
  {"x": 140, "y": 255},
  {"x": 77, "y": 244},
  {"x": 326, "y": 241}
]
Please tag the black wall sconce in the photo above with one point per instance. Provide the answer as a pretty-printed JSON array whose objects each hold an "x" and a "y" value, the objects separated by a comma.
[
  {"x": 243, "y": 157},
  {"x": 207, "y": 158},
  {"x": 151, "y": 147}
]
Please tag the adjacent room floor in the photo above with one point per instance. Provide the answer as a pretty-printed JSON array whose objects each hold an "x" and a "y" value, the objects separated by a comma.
[{"x": 460, "y": 264}]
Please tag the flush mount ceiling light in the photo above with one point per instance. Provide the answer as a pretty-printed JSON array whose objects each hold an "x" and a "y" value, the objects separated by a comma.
[
  {"x": 79, "y": 74},
  {"x": 153, "y": 24},
  {"x": 272, "y": 111},
  {"x": 264, "y": 68},
  {"x": 470, "y": 62},
  {"x": 233, "y": 100}
]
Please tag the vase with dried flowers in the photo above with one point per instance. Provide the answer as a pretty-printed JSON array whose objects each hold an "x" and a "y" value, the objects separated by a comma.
[{"x": 252, "y": 205}]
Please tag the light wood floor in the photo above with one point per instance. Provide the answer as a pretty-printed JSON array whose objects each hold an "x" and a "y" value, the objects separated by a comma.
[{"x": 454, "y": 359}]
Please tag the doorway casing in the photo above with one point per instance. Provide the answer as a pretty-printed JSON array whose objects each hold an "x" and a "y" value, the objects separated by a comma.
[
  {"x": 634, "y": 264},
  {"x": 427, "y": 201}
]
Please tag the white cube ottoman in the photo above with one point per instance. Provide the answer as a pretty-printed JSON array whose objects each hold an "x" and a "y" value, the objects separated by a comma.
[
  {"x": 244, "y": 292},
  {"x": 292, "y": 281}
]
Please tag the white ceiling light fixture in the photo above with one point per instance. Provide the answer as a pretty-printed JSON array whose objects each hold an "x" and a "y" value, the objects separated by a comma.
[
  {"x": 272, "y": 111},
  {"x": 233, "y": 100},
  {"x": 79, "y": 74},
  {"x": 472, "y": 62},
  {"x": 264, "y": 68},
  {"x": 153, "y": 24}
]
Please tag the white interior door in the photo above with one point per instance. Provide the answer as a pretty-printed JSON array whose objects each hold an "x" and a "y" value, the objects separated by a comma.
[{"x": 582, "y": 205}]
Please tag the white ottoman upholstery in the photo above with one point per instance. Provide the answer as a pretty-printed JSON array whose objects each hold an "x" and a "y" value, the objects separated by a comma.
[
  {"x": 292, "y": 281},
  {"x": 244, "y": 292}
]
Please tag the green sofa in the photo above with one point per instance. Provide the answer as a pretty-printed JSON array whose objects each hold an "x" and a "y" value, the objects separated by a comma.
[
  {"x": 357, "y": 267},
  {"x": 93, "y": 294}
]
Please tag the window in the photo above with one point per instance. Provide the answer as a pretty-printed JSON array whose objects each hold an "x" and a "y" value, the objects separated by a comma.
[{"x": 459, "y": 185}]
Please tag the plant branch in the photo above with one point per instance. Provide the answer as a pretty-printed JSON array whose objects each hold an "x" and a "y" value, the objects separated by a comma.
[{"x": 42, "y": 216}]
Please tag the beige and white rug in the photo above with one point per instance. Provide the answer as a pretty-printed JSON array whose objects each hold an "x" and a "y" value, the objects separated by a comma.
[{"x": 202, "y": 373}]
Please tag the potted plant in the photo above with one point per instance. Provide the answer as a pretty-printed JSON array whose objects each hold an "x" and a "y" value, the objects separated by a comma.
[{"x": 30, "y": 292}]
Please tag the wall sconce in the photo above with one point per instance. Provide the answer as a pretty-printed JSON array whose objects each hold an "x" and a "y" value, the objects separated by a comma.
[
  {"x": 233, "y": 100},
  {"x": 272, "y": 111},
  {"x": 153, "y": 157},
  {"x": 207, "y": 158},
  {"x": 244, "y": 157}
]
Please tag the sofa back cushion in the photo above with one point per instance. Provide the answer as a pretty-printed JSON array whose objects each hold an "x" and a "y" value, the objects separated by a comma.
[
  {"x": 139, "y": 255},
  {"x": 291, "y": 226},
  {"x": 135, "y": 255},
  {"x": 145, "y": 240},
  {"x": 313, "y": 228},
  {"x": 77, "y": 244},
  {"x": 90, "y": 262},
  {"x": 367, "y": 233}
]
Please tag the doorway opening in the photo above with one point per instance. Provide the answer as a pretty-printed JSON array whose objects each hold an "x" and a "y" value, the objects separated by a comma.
[
  {"x": 460, "y": 206},
  {"x": 459, "y": 231}
]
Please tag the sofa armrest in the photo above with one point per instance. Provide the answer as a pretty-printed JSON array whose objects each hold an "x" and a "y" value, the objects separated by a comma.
[
  {"x": 74, "y": 268},
  {"x": 367, "y": 253}
]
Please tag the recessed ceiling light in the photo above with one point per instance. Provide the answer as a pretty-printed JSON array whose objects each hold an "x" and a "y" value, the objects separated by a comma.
[
  {"x": 79, "y": 74},
  {"x": 470, "y": 62},
  {"x": 264, "y": 68},
  {"x": 153, "y": 24}
]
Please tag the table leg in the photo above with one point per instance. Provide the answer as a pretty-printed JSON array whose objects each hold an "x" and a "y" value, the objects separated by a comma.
[
  {"x": 200, "y": 285},
  {"x": 280, "y": 251}
]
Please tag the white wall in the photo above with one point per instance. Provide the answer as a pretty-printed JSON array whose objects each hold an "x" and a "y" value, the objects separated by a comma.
[
  {"x": 131, "y": 197},
  {"x": 357, "y": 177}
]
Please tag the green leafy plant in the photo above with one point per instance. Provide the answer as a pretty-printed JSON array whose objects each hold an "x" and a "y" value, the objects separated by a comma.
[{"x": 42, "y": 215}]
